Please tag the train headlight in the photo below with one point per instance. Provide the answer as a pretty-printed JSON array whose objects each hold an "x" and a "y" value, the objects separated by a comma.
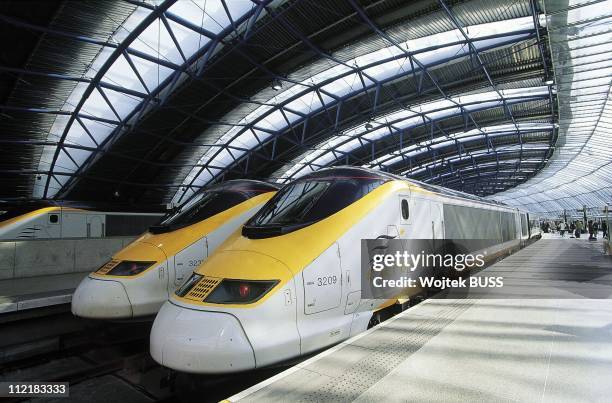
[
  {"x": 128, "y": 268},
  {"x": 240, "y": 291}
]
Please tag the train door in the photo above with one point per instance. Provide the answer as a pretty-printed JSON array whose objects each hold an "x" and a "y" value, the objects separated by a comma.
[
  {"x": 322, "y": 321},
  {"x": 419, "y": 220},
  {"x": 187, "y": 260},
  {"x": 74, "y": 225},
  {"x": 529, "y": 227},
  {"x": 437, "y": 220},
  {"x": 95, "y": 226}
]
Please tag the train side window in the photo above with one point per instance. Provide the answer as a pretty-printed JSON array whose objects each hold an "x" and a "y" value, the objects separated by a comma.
[
  {"x": 53, "y": 218},
  {"x": 405, "y": 209}
]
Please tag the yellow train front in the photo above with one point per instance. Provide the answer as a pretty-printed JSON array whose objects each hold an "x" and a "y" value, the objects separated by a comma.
[
  {"x": 290, "y": 282},
  {"x": 139, "y": 278}
]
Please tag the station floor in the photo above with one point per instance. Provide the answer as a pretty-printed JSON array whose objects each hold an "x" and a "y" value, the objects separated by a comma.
[
  {"x": 37, "y": 292},
  {"x": 545, "y": 336}
]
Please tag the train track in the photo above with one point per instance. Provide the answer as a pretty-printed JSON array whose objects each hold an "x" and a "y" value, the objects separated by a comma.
[{"x": 108, "y": 359}]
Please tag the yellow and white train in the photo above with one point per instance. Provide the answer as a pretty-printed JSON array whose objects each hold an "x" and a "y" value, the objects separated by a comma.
[
  {"x": 46, "y": 221},
  {"x": 289, "y": 283},
  {"x": 139, "y": 278}
]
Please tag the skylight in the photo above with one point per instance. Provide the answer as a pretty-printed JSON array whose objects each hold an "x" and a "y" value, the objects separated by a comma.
[
  {"x": 164, "y": 45},
  {"x": 340, "y": 81}
]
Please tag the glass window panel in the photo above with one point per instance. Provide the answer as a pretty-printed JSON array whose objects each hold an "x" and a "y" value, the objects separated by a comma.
[
  {"x": 208, "y": 14},
  {"x": 344, "y": 85},
  {"x": 120, "y": 73},
  {"x": 78, "y": 136},
  {"x": 389, "y": 69},
  {"x": 589, "y": 12},
  {"x": 157, "y": 42},
  {"x": 189, "y": 40},
  {"x": 98, "y": 130},
  {"x": 238, "y": 8},
  {"x": 152, "y": 74},
  {"x": 248, "y": 140},
  {"x": 58, "y": 127},
  {"x": 95, "y": 105},
  {"x": 123, "y": 103},
  {"x": 273, "y": 121},
  {"x": 64, "y": 163},
  {"x": 80, "y": 156}
]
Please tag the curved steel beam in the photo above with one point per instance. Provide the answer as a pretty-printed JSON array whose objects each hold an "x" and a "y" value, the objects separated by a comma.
[
  {"x": 317, "y": 88},
  {"x": 202, "y": 56},
  {"x": 425, "y": 121},
  {"x": 144, "y": 24}
]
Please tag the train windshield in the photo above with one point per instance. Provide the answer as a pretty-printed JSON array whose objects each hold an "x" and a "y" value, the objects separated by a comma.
[
  {"x": 203, "y": 206},
  {"x": 305, "y": 202},
  {"x": 214, "y": 200}
]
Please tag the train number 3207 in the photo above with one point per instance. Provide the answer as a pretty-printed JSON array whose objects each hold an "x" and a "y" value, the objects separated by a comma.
[{"x": 327, "y": 280}]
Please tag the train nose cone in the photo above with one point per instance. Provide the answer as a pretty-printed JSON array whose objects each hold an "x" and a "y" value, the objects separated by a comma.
[
  {"x": 101, "y": 299},
  {"x": 200, "y": 341}
]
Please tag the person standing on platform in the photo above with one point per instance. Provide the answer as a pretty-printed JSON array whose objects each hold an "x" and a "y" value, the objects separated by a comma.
[
  {"x": 562, "y": 229},
  {"x": 604, "y": 228}
]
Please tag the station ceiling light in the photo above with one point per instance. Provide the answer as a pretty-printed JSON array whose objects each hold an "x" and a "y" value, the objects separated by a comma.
[{"x": 277, "y": 84}]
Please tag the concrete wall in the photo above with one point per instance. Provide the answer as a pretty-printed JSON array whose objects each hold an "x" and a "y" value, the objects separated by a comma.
[{"x": 31, "y": 258}]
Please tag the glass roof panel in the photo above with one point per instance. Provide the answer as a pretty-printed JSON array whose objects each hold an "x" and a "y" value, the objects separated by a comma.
[
  {"x": 208, "y": 14},
  {"x": 433, "y": 110},
  {"x": 383, "y": 64},
  {"x": 238, "y": 8},
  {"x": 581, "y": 167},
  {"x": 155, "y": 41},
  {"x": 491, "y": 131}
]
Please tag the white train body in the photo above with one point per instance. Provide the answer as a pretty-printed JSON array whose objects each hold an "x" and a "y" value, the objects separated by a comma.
[
  {"x": 313, "y": 275},
  {"x": 66, "y": 222},
  {"x": 140, "y": 277}
]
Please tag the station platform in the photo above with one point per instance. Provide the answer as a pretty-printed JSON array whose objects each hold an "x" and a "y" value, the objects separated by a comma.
[
  {"x": 552, "y": 345},
  {"x": 38, "y": 292}
]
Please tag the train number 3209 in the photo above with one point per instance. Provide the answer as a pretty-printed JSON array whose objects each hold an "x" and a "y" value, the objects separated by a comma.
[{"x": 327, "y": 280}]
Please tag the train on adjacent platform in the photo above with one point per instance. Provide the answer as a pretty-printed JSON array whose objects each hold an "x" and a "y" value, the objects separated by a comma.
[
  {"x": 71, "y": 220},
  {"x": 139, "y": 278}
]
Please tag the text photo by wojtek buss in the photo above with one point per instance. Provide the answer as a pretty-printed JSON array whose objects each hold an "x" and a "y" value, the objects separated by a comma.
[{"x": 439, "y": 268}]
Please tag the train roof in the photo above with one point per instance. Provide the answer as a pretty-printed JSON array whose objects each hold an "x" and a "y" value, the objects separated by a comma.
[
  {"x": 13, "y": 209},
  {"x": 252, "y": 187},
  {"x": 243, "y": 185},
  {"x": 362, "y": 172}
]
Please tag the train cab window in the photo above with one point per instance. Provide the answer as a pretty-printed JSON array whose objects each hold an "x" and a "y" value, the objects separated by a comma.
[
  {"x": 202, "y": 207},
  {"x": 405, "y": 209},
  {"x": 53, "y": 218},
  {"x": 307, "y": 201}
]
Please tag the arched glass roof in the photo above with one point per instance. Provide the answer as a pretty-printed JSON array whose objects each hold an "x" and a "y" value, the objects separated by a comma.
[
  {"x": 153, "y": 50},
  {"x": 366, "y": 71},
  {"x": 388, "y": 160},
  {"x": 337, "y": 147},
  {"x": 458, "y": 94},
  {"x": 580, "y": 171}
]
